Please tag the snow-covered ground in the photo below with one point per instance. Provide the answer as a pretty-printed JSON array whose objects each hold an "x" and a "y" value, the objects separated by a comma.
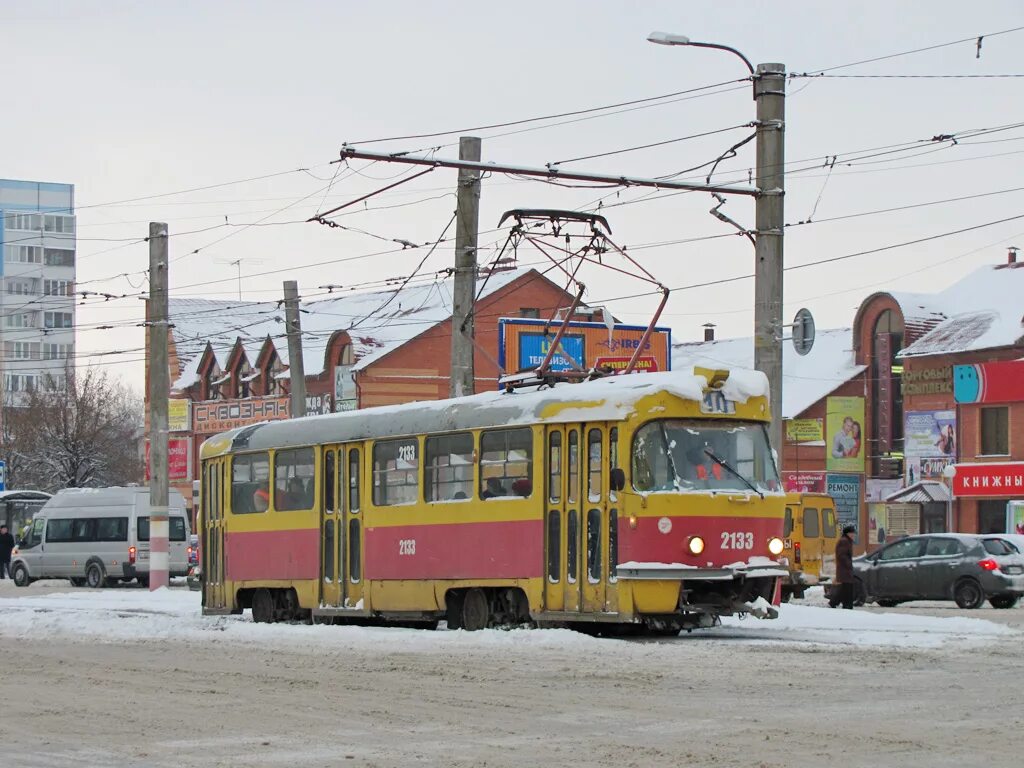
[{"x": 119, "y": 615}]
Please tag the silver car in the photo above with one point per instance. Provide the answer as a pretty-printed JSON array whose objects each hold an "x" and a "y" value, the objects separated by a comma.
[{"x": 943, "y": 566}]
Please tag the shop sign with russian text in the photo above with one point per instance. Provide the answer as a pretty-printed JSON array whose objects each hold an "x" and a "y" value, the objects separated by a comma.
[{"x": 991, "y": 480}]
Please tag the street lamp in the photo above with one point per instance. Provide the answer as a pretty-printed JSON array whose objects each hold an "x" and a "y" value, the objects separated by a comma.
[
  {"x": 666, "y": 38},
  {"x": 770, "y": 96}
]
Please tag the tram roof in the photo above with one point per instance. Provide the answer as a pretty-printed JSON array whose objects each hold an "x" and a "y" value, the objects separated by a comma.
[{"x": 609, "y": 399}]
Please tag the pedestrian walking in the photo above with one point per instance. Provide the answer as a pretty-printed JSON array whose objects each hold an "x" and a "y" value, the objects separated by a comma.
[
  {"x": 844, "y": 592},
  {"x": 6, "y": 546}
]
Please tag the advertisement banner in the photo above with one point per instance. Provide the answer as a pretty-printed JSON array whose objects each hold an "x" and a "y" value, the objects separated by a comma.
[
  {"x": 178, "y": 416},
  {"x": 844, "y": 424},
  {"x": 879, "y": 490},
  {"x": 989, "y": 480},
  {"x": 804, "y": 482},
  {"x": 179, "y": 458},
  {"x": 929, "y": 433},
  {"x": 805, "y": 431},
  {"x": 1015, "y": 517},
  {"x": 929, "y": 468},
  {"x": 845, "y": 490},
  {"x": 989, "y": 382},
  {"x": 524, "y": 342},
  {"x": 534, "y": 347},
  {"x": 878, "y": 523},
  {"x": 213, "y": 416}
]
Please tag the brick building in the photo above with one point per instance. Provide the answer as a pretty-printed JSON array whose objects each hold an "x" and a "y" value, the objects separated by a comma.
[{"x": 229, "y": 359}]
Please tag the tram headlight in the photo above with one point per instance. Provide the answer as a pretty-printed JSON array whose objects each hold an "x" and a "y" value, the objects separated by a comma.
[
  {"x": 695, "y": 545},
  {"x": 775, "y": 545}
]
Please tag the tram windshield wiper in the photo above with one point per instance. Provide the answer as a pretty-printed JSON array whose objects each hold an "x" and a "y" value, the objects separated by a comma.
[{"x": 728, "y": 466}]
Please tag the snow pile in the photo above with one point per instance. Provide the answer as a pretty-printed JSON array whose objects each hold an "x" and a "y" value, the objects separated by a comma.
[
  {"x": 805, "y": 378},
  {"x": 129, "y": 615}
]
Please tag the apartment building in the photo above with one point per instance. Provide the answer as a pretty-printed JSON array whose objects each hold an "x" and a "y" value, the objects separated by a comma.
[{"x": 37, "y": 285}]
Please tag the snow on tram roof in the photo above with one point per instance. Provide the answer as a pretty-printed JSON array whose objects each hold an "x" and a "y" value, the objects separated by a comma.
[{"x": 607, "y": 399}]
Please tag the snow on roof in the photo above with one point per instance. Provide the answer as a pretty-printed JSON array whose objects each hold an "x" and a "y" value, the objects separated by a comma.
[
  {"x": 982, "y": 311},
  {"x": 805, "y": 379},
  {"x": 921, "y": 312},
  {"x": 607, "y": 399},
  {"x": 378, "y": 322}
]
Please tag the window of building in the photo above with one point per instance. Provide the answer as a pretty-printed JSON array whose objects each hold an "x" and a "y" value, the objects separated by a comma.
[
  {"x": 64, "y": 225},
  {"x": 29, "y": 222},
  {"x": 57, "y": 288},
  {"x": 20, "y": 287},
  {"x": 250, "y": 483},
  {"x": 293, "y": 479},
  {"x": 449, "y": 461},
  {"x": 506, "y": 467},
  {"x": 530, "y": 312},
  {"x": 992, "y": 516},
  {"x": 54, "y": 382},
  {"x": 19, "y": 382},
  {"x": 58, "y": 257},
  {"x": 995, "y": 431},
  {"x": 395, "y": 472},
  {"x": 57, "y": 319},
  {"x": 54, "y": 351},
  {"x": 21, "y": 350},
  {"x": 20, "y": 320},
  {"x": 23, "y": 254}
]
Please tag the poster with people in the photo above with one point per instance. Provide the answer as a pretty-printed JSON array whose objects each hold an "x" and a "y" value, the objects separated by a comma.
[
  {"x": 1015, "y": 515},
  {"x": 929, "y": 444},
  {"x": 845, "y": 439}
]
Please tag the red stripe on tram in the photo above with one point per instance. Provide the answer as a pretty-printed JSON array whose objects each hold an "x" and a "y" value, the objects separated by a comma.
[{"x": 258, "y": 555}]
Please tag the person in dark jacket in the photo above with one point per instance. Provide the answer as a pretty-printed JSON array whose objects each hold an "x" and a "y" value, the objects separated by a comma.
[
  {"x": 844, "y": 593},
  {"x": 6, "y": 546}
]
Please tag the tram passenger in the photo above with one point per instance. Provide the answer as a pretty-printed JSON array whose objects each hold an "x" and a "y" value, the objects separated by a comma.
[
  {"x": 492, "y": 489},
  {"x": 261, "y": 498},
  {"x": 522, "y": 487}
]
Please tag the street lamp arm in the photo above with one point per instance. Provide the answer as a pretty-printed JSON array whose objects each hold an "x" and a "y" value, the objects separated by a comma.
[
  {"x": 665, "y": 38},
  {"x": 730, "y": 49}
]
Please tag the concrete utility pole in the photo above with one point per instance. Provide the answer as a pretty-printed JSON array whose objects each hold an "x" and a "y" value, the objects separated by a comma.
[
  {"x": 467, "y": 217},
  {"x": 296, "y": 371},
  {"x": 770, "y": 95},
  {"x": 159, "y": 393}
]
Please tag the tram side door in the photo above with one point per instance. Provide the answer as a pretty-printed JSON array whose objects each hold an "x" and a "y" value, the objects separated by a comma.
[
  {"x": 595, "y": 521},
  {"x": 331, "y": 533},
  {"x": 554, "y": 519},
  {"x": 351, "y": 539},
  {"x": 215, "y": 476}
]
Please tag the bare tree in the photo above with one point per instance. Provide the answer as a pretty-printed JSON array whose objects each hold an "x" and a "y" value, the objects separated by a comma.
[{"x": 83, "y": 436}]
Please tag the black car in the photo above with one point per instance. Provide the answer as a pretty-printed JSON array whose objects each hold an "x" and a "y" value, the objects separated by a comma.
[{"x": 943, "y": 566}]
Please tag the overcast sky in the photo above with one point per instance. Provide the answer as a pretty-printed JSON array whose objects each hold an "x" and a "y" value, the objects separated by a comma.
[{"x": 135, "y": 99}]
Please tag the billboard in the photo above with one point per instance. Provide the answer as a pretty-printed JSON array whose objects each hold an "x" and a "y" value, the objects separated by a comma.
[
  {"x": 212, "y": 416},
  {"x": 805, "y": 431},
  {"x": 177, "y": 415},
  {"x": 845, "y": 490},
  {"x": 929, "y": 444},
  {"x": 179, "y": 458},
  {"x": 804, "y": 482},
  {"x": 523, "y": 343},
  {"x": 844, "y": 425},
  {"x": 989, "y": 382}
]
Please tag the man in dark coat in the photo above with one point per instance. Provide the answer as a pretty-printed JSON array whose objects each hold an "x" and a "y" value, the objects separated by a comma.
[
  {"x": 844, "y": 592},
  {"x": 6, "y": 545}
]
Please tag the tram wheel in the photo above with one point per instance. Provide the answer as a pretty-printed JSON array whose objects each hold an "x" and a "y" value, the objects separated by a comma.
[
  {"x": 476, "y": 613},
  {"x": 262, "y": 606}
]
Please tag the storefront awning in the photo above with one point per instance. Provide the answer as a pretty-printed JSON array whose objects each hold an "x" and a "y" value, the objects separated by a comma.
[{"x": 924, "y": 492}]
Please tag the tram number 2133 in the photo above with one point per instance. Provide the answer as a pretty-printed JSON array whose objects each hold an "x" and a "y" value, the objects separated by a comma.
[
  {"x": 407, "y": 546},
  {"x": 737, "y": 540}
]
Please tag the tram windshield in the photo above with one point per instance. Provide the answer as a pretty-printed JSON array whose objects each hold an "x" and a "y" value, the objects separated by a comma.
[{"x": 693, "y": 455}]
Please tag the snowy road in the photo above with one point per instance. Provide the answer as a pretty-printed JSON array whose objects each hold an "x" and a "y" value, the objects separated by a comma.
[{"x": 84, "y": 670}]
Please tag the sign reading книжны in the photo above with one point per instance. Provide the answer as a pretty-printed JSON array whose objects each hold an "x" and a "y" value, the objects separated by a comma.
[{"x": 1004, "y": 479}]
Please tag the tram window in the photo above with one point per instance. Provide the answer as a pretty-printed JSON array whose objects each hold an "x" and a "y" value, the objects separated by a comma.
[
  {"x": 613, "y": 456},
  {"x": 554, "y": 546},
  {"x": 613, "y": 545},
  {"x": 571, "y": 551},
  {"x": 353, "y": 480},
  {"x": 594, "y": 545},
  {"x": 328, "y": 574},
  {"x": 574, "y": 466},
  {"x": 353, "y": 551},
  {"x": 395, "y": 472},
  {"x": 449, "y": 461},
  {"x": 506, "y": 463},
  {"x": 594, "y": 465},
  {"x": 329, "y": 481},
  {"x": 250, "y": 489},
  {"x": 651, "y": 468},
  {"x": 555, "y": 467},
  {"x": 293, "y": 479}
]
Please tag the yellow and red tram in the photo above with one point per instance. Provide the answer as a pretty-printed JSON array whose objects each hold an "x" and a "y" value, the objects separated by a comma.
[{"x": 647, "y": 499}]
